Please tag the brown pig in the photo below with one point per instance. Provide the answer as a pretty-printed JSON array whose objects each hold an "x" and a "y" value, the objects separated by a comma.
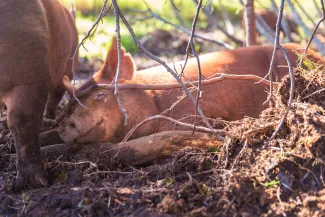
[
  {"x": 38, "y": 38},
  {"x": 102, "y": 120}
]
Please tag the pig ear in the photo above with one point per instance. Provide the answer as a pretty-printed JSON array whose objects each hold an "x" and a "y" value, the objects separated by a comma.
[
  {"x": 109, "y": 68},
  {"x": 67, "y": 84}
]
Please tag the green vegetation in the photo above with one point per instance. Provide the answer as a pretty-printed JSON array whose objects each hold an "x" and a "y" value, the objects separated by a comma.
[{"x": 88, "y": 10}]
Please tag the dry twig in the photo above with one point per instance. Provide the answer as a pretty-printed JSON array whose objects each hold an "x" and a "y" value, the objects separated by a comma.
[
  {"x": 117, "y": 75},
  {"x": 181, "y": 28},
  {"x": 173, "y": 73},
  {"x": 292, "y": 79},
  {"x": 218, "y": 133},
  {"x": 102, "y": 13},
  {"x": 317, "y": 42},
  {"x": 317, "y": 25},
  {"x": 221, "y": 77},
  {"x": 190, "y": 44}
]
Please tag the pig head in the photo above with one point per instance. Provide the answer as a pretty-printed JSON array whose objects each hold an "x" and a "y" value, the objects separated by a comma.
[
  {"x": 37, "y": 39},
  {"x": 102, "y": 120}
]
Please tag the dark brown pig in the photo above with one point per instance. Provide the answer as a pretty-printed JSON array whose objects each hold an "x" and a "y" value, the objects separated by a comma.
[
  {"x": 37, "y": 40},
  {"x": 231, "y": 100}
]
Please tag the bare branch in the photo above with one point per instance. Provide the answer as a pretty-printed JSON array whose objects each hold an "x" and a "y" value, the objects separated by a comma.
[
  {"x": 176, "y": 12},
  {"x": 292, "y": 79},
  {"x": 183, "y": 29},
  {"x": 317, "y": 25},
  {"x": 90, "y": 32},
  {"x": 215, "y": 24},
  {"x": 218, "y": 133},
  {"x": 166, "y": 66},
  {"x": 221, "y": 77},
  {"x": 308, "y": 32},
  {"x": 190, "y": 44},
  {"x": 116, "y": 78},
  {"x": 284, "y": 23}
]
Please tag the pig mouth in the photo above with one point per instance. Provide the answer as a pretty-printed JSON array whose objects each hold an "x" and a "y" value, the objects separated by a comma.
[{"x": 90, "y": 130}]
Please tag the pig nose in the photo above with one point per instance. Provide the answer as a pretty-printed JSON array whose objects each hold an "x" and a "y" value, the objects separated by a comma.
[{"x": 74, "y": 124}]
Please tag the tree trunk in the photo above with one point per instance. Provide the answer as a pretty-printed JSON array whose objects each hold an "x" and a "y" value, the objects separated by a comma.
[{"x": 250, "y": 25}]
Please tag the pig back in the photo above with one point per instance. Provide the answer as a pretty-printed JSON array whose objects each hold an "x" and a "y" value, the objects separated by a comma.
[
  {"x": 63, "y": 39},
  {"x": 23, "y": 44}
]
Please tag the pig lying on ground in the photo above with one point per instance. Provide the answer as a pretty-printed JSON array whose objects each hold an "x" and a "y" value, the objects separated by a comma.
[
  {"x": 38, "y": 38},
  {"x": 230, "y": 100}
]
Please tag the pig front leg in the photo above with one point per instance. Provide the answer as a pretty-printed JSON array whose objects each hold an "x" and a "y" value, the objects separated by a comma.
[{"x": 25, "y": 113}]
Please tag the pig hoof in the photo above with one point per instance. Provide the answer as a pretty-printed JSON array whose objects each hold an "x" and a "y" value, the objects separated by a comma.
[{"x": 33, "y": 177}]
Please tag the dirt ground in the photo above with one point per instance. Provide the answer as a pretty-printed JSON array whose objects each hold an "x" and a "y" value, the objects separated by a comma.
[{"x": 281, "y": 178}]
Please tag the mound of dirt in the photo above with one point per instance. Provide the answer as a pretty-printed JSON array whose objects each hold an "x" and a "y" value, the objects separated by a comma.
[{"x": 283, "y": 177}]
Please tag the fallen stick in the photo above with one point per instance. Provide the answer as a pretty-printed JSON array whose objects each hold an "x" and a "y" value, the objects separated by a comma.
[{"x": 138, "y": 151}]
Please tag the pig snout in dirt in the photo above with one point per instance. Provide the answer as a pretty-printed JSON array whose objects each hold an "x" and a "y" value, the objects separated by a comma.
[
  {"x": 35, "y": 37},
  {"x": 229, "y": 100}
]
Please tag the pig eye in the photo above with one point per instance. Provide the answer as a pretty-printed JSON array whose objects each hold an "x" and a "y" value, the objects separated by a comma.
[
  {"x": 73, "y": 125},
  {"x": 100, "y": 96}
]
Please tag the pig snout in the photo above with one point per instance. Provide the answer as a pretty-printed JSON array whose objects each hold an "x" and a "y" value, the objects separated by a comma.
[{"x": 70, "y": 129}]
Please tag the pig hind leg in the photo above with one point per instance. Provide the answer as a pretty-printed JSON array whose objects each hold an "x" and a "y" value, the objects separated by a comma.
[
  {"x": 25, "y": 113},
  {"x": 53, "y": 101}
]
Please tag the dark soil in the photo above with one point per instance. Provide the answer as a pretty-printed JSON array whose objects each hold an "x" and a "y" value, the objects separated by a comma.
[{"x": 239, "y": 178}]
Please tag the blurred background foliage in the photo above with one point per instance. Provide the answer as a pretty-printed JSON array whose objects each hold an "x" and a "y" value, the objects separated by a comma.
[{"x": 97, "y": 45}]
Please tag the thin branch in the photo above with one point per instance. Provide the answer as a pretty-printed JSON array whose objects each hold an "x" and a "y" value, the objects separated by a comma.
[
  {"x": 308, "y": 32},
  {"x": 292, "y": 88},
  {"x": 218, "y": 133},
  {"x": 190, "y": 44},
  {"x": 284, "y": 23},
  {"x": 317, "y": 25},
  {"x": 221, "y": 77},
  {"x": 177, "y": 13},
  {"x": 117, "y": 75},
  {"x": 216, "y": 25},
  {"x": 292, "y": 78},
  {"x": 90, "y": 32},
  {"x": 183, "y": 29},
  {"x": 165, "y": 65}
]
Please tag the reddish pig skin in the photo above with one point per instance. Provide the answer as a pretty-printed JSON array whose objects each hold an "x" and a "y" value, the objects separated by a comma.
[
  {"x": 230, "y": 100},
  {"x": 37, "y": 39}
]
